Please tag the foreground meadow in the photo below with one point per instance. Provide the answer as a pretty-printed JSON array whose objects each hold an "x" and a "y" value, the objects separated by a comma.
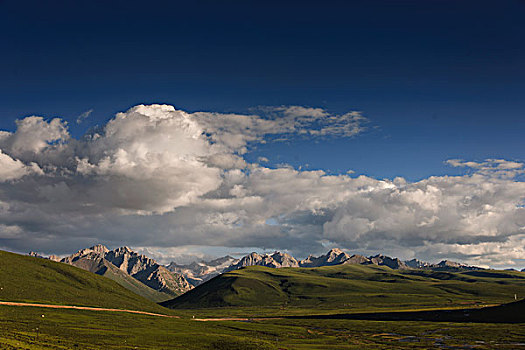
[{"x": 25, "y": 328}]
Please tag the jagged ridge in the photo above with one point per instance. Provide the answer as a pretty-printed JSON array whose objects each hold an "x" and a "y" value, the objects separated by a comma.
[
  {"x": 125, "y": 264},
  {"x": 197, "y": 273}
]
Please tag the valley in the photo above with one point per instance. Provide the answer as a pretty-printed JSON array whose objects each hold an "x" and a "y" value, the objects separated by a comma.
[{"x": 342, "y": 306}]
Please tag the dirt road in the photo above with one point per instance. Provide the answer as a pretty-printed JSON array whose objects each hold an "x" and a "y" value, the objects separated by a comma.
[
  {"x": 51, "y": 306},
  {"x": 237, "y": 319},
  {"x": 9, "y": 303}
]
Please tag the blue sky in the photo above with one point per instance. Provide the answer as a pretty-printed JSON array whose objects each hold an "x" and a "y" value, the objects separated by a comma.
[
  {"x": 435, "y": 88},
  {"x": 437, "y": 79}
]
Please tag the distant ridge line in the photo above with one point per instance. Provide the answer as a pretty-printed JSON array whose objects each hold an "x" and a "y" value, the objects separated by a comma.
[{"x": 175, "y": 279}]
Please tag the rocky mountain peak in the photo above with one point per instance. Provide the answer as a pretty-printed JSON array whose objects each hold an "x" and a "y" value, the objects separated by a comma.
[
  {"x": 250, "y": 259},
  {"x": 140, "y": 267},
  {"x": 334, "y": 256},
  {"x": 283, "y": 260},
  {"x": 124, "y": 250},
  {"x": 53, "y": 257},
  {"x": 393, "y": 263},
  {"x": 276, "y": 260},
  {"x": 357, "y": 259},
  {"x": 220, "y": 261},
  {"x": 335, "y": 252},
  {"x": 99, "y": 248},
  {"x": 417, "y": 264},
  {"x": 448, "y": 263}
]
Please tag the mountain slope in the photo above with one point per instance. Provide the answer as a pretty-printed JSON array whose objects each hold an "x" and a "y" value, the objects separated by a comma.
[
  {"x": 351, "y": 286},
  {"x": 30, "y": 279},
  {"x": 147, "y": 271},
  {"x": 136, "y": 272},
  {"x": 96, "y": 264}
]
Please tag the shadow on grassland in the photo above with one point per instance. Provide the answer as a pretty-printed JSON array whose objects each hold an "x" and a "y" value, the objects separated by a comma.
[{"x": 505, "y": 313}]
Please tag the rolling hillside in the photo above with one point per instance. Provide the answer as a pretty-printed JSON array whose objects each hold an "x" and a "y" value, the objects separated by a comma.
[
  {"x": 353, "y": 287},
  {"x": 30, "y": 279}
]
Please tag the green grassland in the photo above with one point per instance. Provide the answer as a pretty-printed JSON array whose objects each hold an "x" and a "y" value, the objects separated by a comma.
[
  {"x": 24, "y": 328},
  {"x": 505, "y": 313},
  {"x": 251, "y": 293},
  {"x": 30, "y": 279},
  {"x": 349, "y": 288}
]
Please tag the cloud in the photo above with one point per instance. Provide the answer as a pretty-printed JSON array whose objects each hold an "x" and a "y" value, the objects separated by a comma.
[
  {"x": 462, "y": 211},
  {"x": 300, "y": 111},
  {"x": 147, "y": 160},
  {"x": 33, "y": 135},
  {"x": 316, "y": 121},
  {"x": 12, "y": 169},
  {"x": 84, "y": 116},
  {"x": 9, "y": 231},
  {"x": 474, "y": 218},
  {"x": 494, "y": 167},
  {"x": 156, "y": 178}
]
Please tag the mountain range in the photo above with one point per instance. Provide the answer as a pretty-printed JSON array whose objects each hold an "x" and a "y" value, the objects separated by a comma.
[
  {"x": 199, "y": 272},
  {"x": 156, "y": 282},
  {"x": 294, "y": 295}
]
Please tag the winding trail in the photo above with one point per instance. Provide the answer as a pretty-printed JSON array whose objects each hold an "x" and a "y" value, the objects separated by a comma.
[{"x": 51, "y": 306}]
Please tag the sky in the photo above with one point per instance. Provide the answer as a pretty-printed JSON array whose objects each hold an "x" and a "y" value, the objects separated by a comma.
[{"x": 189, "y": 130}]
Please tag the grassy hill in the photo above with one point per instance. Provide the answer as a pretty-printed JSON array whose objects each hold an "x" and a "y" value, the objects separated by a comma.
[
  {"x": 29, "y": 279},
  {"x": 353, "y": 287}
]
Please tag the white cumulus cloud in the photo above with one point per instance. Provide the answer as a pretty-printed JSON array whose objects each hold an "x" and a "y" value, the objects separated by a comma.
[{"x": 159, "y": 178}]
